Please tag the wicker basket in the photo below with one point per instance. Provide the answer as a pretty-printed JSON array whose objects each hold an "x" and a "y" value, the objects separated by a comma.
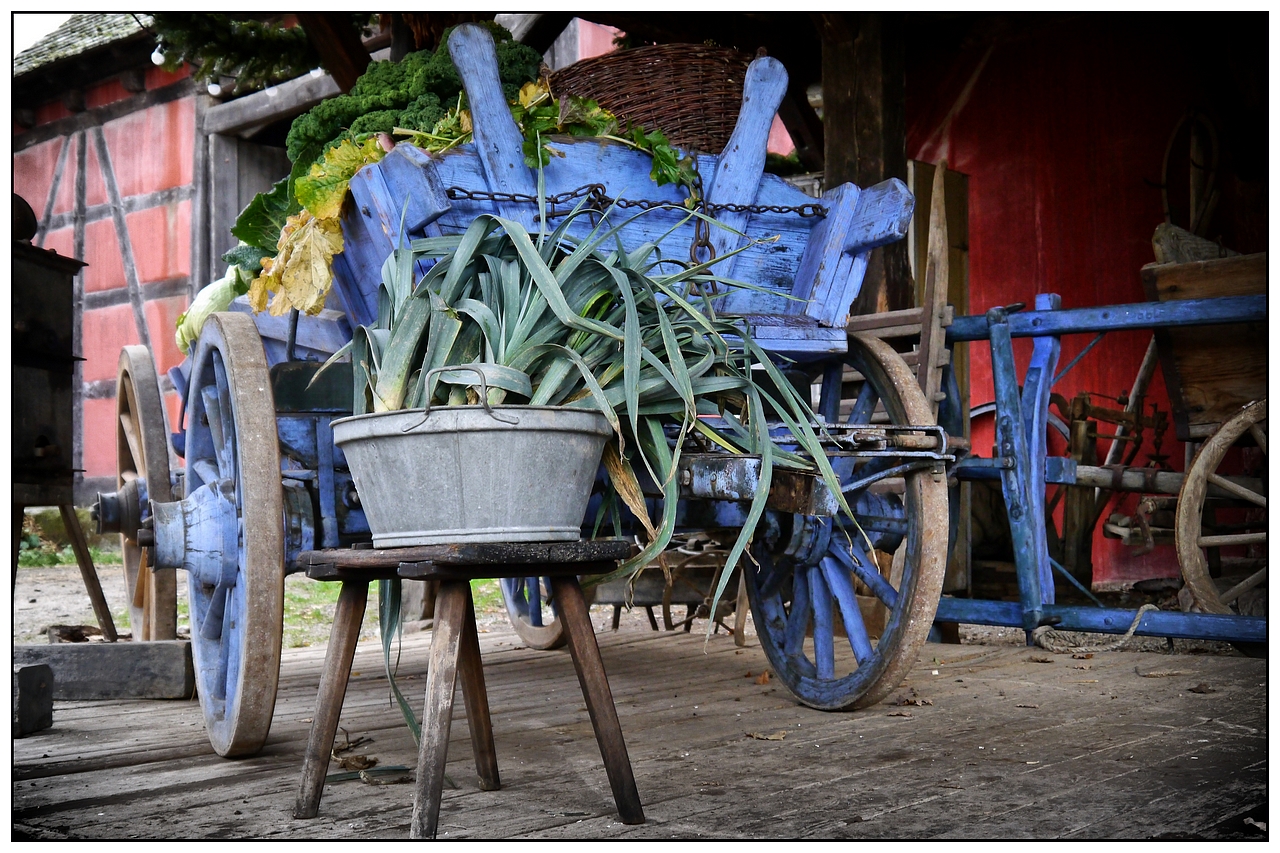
[{"x": 691, "y": 92}]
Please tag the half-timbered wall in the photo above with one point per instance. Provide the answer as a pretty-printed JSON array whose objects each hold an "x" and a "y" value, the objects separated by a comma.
[{"x": 113, "y": 185}]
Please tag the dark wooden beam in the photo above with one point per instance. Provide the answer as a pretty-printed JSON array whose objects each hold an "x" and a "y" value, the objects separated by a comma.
[
  {"x": 134, "y": 80},
  {"x": 402, "y": 42},
  {"x": 864, "y": 119},
  {"x": 73, "y": 100},
  {"x": 544, "y": 29},
  {"x": 341, "y": 50}
]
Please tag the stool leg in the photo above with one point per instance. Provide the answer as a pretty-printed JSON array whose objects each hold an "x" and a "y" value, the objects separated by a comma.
[
  {"x": 452, "y": 602},
  {"x": 476, "y": 700},
  {"x": 599, "y": 699},
  {"x": 333, "y": 689}
]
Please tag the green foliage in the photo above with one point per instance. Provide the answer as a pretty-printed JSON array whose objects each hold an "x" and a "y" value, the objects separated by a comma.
[
  {"x": 668, "y": 166},
  {"x": 777, "y": 164},
  {"x": 256, "y": 53},
  {"x": 413, "y": 88},
  {"x": 517, "y": 64},
  {"x": 260, "y": 223},
  {"x": 247, "y": 258},
  {"x": 378, "y": 121},
  {"x": 49, "y": 556},
  {"x": 322, "y": 190},
  {"x": 423, "y": 113}
]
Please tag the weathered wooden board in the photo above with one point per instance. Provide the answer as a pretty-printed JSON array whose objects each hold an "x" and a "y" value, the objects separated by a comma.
[
  {"x": 1009, "y": 747},
  {"x": 1210, "y": 371},
  {"x": 157, "y": 670}
]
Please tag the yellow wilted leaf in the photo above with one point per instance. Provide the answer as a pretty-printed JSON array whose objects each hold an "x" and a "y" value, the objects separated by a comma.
[
  {"x": 624, "y": 480},
  {"x": 531, "y": 93},
  {"x": 301, "y": 273},
  {"x": 464, "y": 120},
  {"x": 262, "y": 285},
  {"x": 323, "y": 188},
  {"x": 308, "y": 269}
]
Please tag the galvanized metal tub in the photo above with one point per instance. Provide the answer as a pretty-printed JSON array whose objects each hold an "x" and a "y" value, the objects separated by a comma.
[{"x": 464, "y": 474}]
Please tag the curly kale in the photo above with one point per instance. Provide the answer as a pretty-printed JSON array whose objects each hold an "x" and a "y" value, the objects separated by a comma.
[
  {"x": 423, "y": 114},
  {"x": 413, "y": 93},
  {"x": 517, "y": 64},
  {"x": 313, "y": 129},
  {"x": 378, "y": 121}
]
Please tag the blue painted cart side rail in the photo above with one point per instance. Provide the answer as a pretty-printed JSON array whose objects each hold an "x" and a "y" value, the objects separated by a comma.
[
  {"x": 1102, "y": 620},
  {"x": 1114, "y": 318}
]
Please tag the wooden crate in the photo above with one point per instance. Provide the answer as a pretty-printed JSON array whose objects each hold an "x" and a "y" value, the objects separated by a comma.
[{"x": 1210, "y": 371}]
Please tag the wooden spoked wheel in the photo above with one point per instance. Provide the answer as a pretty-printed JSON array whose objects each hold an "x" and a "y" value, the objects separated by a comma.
[
  {"x": 142, "y": 454},
  {"x": 1222, "y": 515},
  {"x": 232, "y": 445},
  {"x": 532, "y": 611},
  {"x": 806, "y": 608}
]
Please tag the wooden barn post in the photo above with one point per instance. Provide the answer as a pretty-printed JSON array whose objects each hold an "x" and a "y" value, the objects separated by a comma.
[{"x": 864, "y": 119}]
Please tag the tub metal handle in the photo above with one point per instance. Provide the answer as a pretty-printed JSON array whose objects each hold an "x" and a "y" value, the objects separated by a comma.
[{"x": 484, "y": 395}]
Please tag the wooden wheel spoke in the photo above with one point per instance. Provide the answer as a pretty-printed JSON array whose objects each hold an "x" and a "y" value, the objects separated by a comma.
[
  {"x": 1236, "y": 489},
  {"x": 824, "y": 652},
  {"x": 841, "y": 587},
  {"x": 133, "y": 441},
  {"x": 226, "y": 672},
  {"x": 1226, "y": 539},
  {"x": 534, "y": 592},
  {"x": 1259, "y": 433},
  {"x": 798, "y": 617},
  {"x": 213, "y": 413},
  {"x": 226, "y": 415},
  {"x": 869, "y": 574},
  {"x": 1244, "y": 586},
  {"x": 864, "y": 405}
]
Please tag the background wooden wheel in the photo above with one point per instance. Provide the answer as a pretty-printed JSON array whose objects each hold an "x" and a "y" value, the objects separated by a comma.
[
  {"x": 807, "y": 612},
  {"x": 533, "y": 612},
  {"x": 1222, "y": 506},
  {"x": 142, "y": 453},
  {"x": 232, "y": 444}
]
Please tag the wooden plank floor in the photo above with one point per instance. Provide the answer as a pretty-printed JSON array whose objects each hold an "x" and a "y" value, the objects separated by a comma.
[{"x": 1124, "y": 745}]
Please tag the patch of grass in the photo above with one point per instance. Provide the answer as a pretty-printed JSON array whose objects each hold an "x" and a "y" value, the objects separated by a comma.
[
  {"x": 309, "y": 607},
  {"x": 487, "y": 595},
  {"x": 39, "y": 557}
]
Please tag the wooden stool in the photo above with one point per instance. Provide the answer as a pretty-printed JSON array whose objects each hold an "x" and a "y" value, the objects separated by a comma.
[{"x": 455, "y": 651}]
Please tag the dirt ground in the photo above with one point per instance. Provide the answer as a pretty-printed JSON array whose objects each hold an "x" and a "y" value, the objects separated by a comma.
[{"x": 56, "y": 596}]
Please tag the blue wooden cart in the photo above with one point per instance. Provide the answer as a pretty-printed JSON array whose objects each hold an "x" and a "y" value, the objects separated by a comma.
[{"x": 264, "y": 483}]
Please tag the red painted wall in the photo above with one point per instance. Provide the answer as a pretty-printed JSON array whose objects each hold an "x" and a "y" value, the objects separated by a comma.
[
  {"x": 150, "y": 150},
  {"x": 1061, "y": 125}
]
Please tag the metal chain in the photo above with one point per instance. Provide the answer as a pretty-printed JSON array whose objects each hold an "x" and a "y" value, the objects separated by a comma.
[
  {"x": 600, "y": 201},
  {"x": 701, "y": 251}
]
